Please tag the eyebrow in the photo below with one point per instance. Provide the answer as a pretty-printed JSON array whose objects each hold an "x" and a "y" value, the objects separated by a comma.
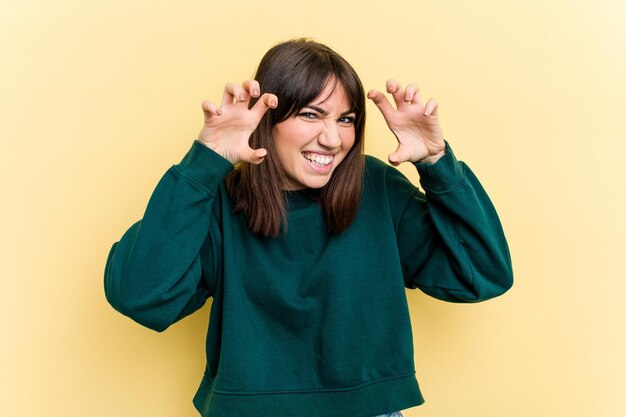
[{"x": 324, "y": 112}]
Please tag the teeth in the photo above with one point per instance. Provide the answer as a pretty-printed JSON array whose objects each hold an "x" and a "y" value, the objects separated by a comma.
[{"x": 319, "y": 160}]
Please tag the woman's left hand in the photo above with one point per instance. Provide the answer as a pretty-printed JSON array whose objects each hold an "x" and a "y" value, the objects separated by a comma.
[{"x": 420, "y": 138}]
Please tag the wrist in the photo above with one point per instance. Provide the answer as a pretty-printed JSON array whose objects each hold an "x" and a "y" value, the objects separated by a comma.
[
  {"x": 431, "y": 159},
  {"x": 214, "y": 146}
]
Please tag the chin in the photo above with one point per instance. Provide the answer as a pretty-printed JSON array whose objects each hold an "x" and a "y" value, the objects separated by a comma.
[
  {"x": 312, "y": 183},
  {"x": 315, "y": 185}
]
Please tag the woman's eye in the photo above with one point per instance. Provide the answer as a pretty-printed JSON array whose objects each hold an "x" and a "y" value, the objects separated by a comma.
[
  {"x": 347, "y": 120},
  {"x": 308, "y": 115}
]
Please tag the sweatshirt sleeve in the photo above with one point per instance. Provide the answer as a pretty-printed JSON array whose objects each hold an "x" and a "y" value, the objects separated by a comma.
[
  {"x": 164, "y": 266},
  {"x": 450, "y": 240}
]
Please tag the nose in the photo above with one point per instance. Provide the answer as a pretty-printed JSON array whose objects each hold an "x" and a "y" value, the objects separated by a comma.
[{"x": 330, "y": 137}]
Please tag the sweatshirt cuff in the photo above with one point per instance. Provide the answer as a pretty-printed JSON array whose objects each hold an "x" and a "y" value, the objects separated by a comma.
[
  {"x": 443, "y": 175},
  {"x": 204, "y": 166}
]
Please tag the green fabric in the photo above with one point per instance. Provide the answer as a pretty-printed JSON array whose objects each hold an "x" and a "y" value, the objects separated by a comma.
[{"x": 310, "y": 324}]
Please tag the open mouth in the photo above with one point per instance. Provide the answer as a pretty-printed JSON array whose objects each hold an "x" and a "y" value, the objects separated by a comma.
[{"x": 317, "y": 159}]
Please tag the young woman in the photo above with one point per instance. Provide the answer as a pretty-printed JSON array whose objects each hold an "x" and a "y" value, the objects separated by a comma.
[{"x": 306, "y": 245}]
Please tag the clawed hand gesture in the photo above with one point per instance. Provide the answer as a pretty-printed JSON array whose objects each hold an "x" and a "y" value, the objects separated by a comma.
[
  {"x": 227, "y": 128},
  {"x": 415, "y": 126}
]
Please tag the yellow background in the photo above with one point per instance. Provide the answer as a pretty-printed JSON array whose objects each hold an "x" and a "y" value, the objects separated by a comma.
[{"x": 99, "y": 98}]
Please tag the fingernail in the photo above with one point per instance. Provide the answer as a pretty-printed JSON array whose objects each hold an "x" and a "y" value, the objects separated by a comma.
[
  {"x": 240, "y": 98},
  {"x": 272, "y": 103},
  {"x": 255, "y": 92}
]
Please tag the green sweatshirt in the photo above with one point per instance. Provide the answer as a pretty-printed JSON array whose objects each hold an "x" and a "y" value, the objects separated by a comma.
[{"x": 311, "y": 324}]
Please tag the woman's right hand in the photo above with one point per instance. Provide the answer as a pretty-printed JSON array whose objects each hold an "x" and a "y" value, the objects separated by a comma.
[{"x": 227, "y": 128}]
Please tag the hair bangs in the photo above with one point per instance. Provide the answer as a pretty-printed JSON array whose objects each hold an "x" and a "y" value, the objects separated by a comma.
[{"x": 303, "y": 84}]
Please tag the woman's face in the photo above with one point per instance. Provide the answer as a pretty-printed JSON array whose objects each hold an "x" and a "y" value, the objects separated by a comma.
[{"x": 312, "y": 144}]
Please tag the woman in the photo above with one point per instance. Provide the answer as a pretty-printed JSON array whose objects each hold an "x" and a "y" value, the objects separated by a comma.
[{"x": 306, "y": 245}]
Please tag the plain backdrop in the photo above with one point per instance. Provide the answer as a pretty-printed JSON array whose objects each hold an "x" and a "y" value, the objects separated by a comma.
[{"x": 99, "y": 98}]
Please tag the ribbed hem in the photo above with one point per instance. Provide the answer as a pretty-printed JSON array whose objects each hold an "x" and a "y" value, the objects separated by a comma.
[
  {"x": 444, "y": 175},
  {"x": 204, "y": 166},
  {"x": 379, "y": 397}
]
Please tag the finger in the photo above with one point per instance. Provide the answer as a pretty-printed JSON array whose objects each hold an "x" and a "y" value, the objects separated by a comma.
[
  {"x": 395, "y": 89},
  {"x": 432, "y": 107},
  {"x": 233, "y": 92},
  {"x": 413, "y": 95},
  {"x": 266, "y": 102},
  {"x": 210, "y": 109},
  {"x": 381, "y": 102},
  {"x": 254, "y": 156},
  {"x": 252, "y": 87},
  {"x": 399, "y": 156}
]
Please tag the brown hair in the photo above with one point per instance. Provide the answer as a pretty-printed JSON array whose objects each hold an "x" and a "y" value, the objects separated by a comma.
[{"x": 297, "y": 71}]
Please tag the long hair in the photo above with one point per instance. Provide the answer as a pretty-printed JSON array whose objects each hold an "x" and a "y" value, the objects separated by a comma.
[{"x": 297, "y": 71}]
